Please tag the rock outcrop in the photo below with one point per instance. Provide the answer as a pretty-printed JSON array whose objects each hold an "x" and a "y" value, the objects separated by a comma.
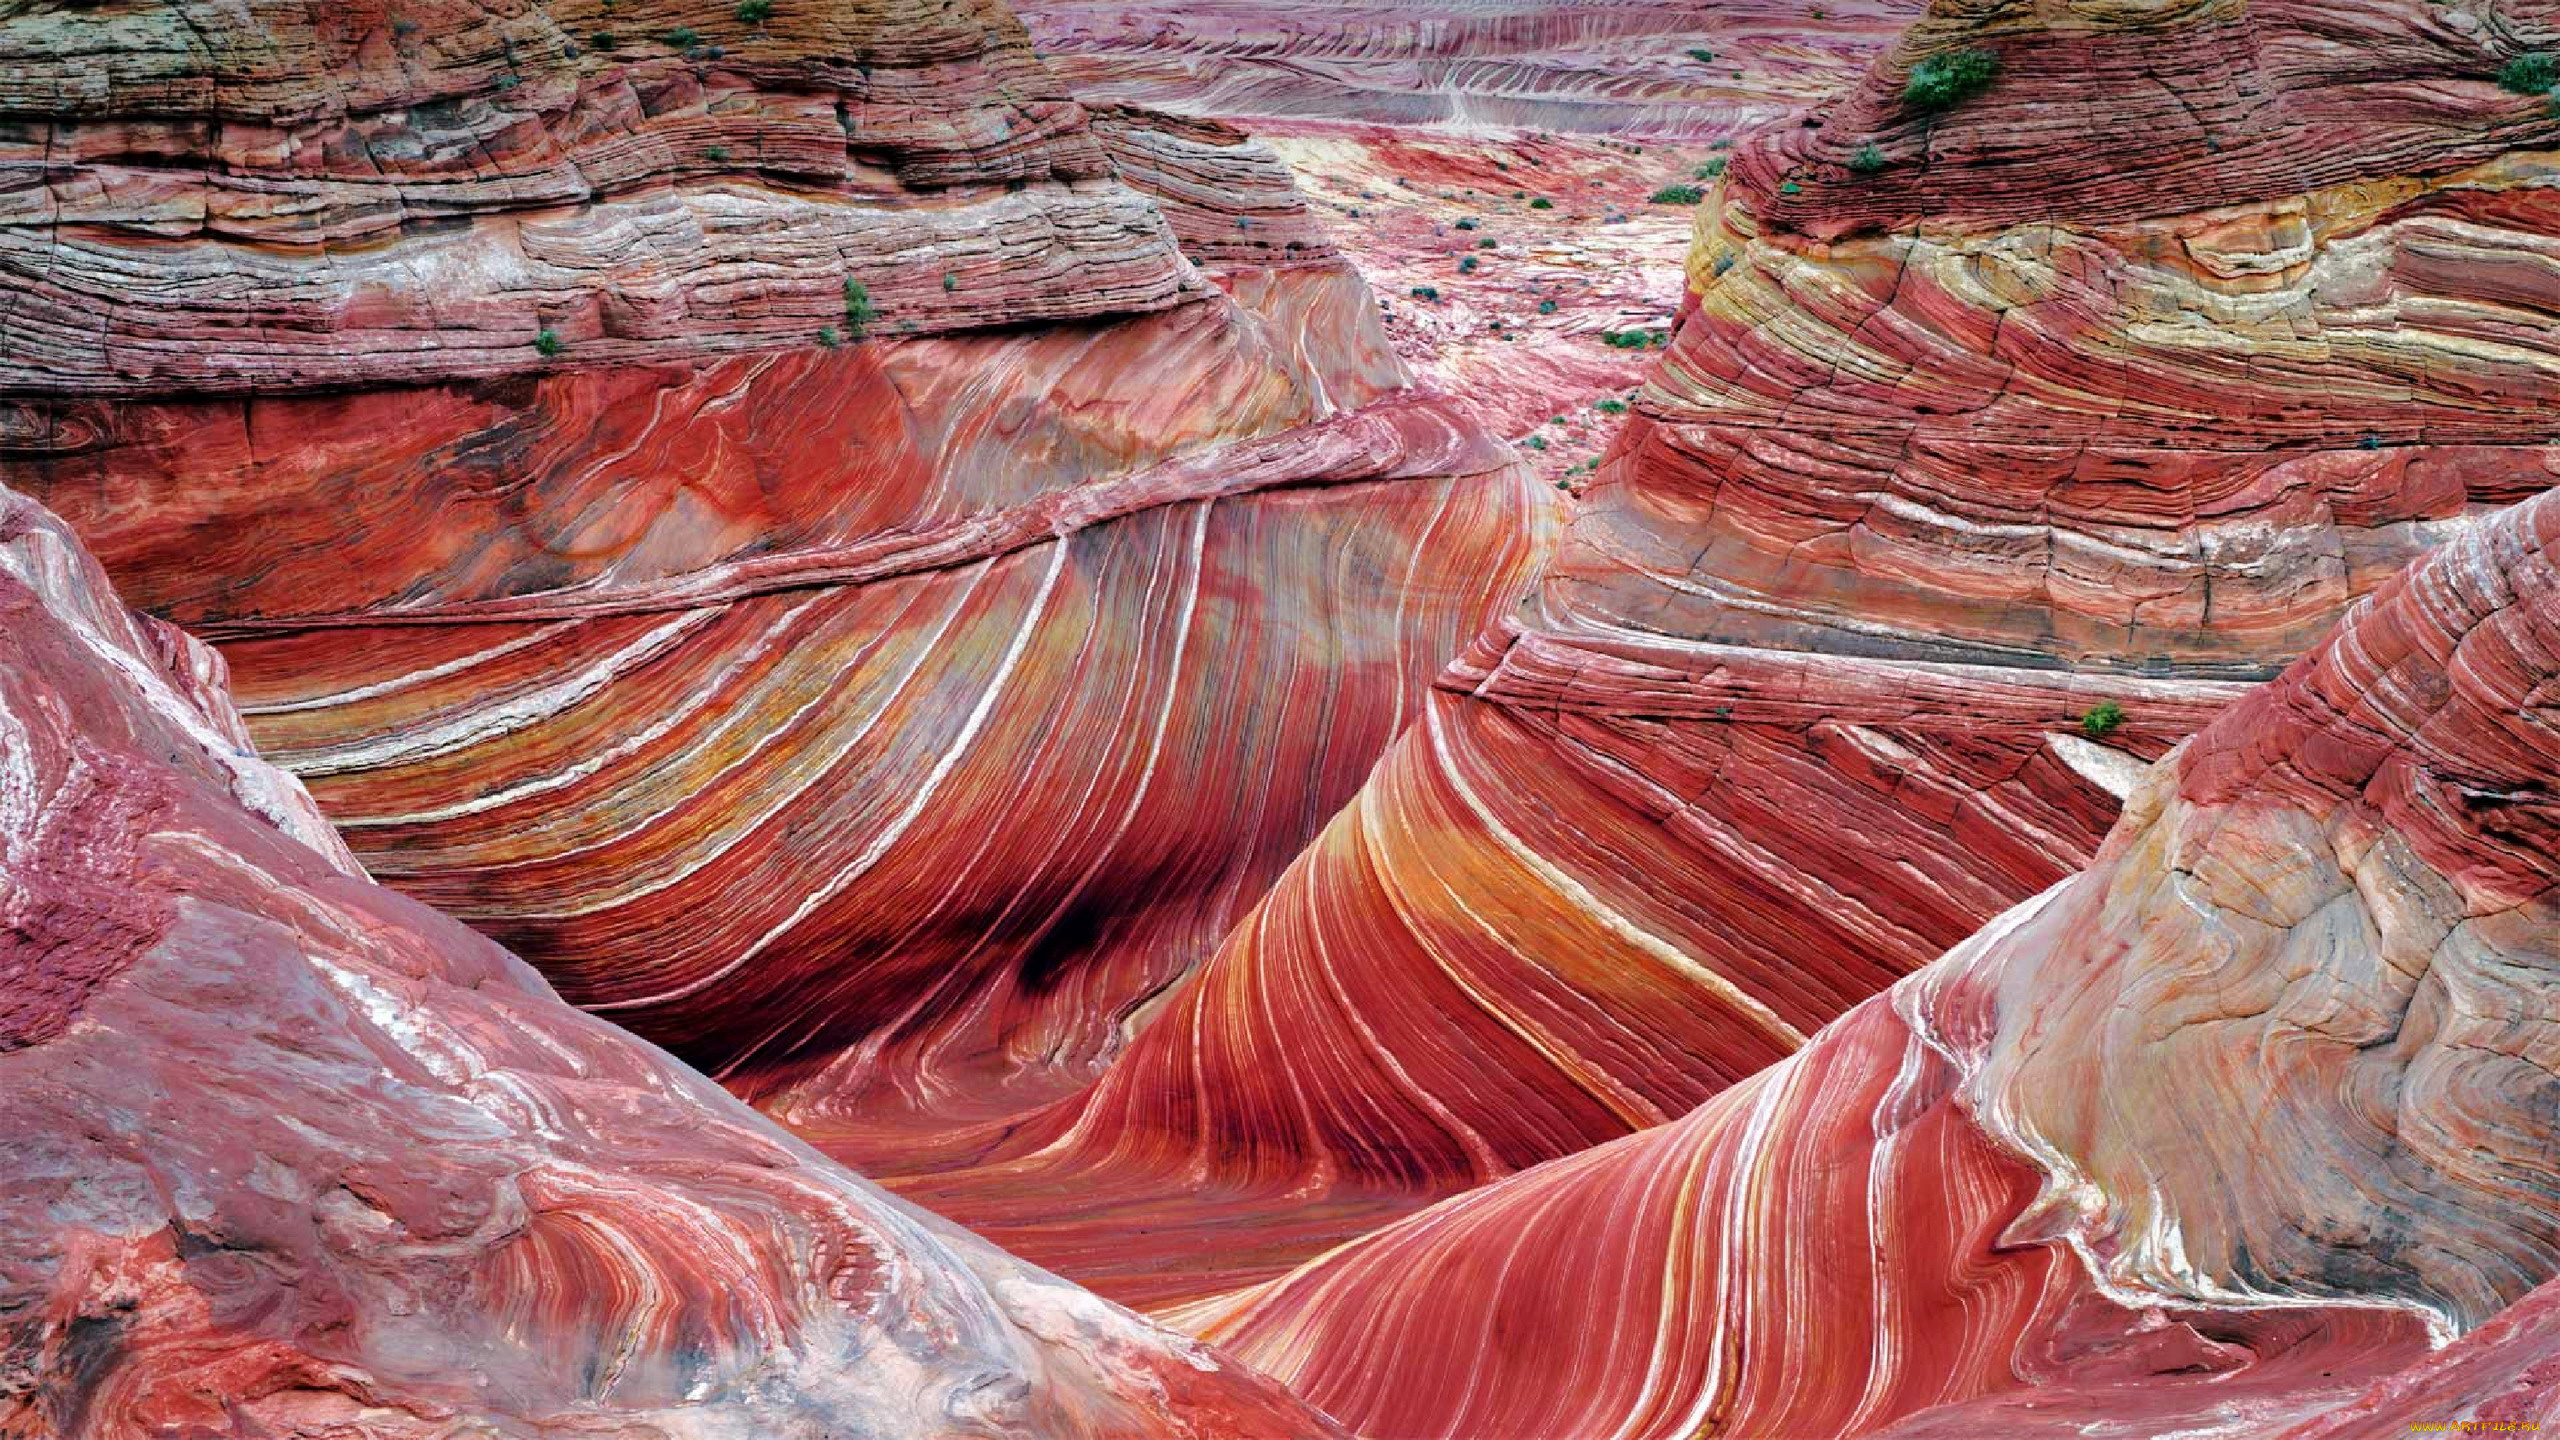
[
  {"x": 287, "y": 1153},
  {"x": 199, "y": 197},
  {"x": 1931, "y": 529},
  {"x": 1644, "y": 70},
  {"x": 884, "y": 717},
  {"x": 2207, "y": 1138}
]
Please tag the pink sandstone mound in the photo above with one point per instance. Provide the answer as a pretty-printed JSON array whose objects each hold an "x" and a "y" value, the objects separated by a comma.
[{"x": 288, "y": 1154}]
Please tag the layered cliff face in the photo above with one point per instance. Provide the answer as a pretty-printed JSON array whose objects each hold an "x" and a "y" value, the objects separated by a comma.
[
  {"x": 2196, "y": 323},
  {"x": 1654, "y": 71},
  {"x": 290, "y": 1154},
  {"x": 2206, "y": 1138},
  {"x": 210, "y": 197},
  {"x": 885, "y": 719}
]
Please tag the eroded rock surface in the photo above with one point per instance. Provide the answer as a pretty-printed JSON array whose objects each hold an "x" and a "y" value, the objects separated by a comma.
[
  {"x": 288, "y": 1153},
  {"x": 2205, "y": 1138}
]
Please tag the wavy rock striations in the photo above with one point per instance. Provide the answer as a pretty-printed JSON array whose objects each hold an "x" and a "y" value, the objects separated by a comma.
[
  {"x": 290, "y": 1154},
  {"x": 2205, "y": 1138},
  {"x": 1929, "y": 532},
  {"x": 1999, "y": 383},
  {"x": 878, "y": 725},
  {"x": 1578, "y": 898},
  {"x": 184, "y": 208},
  {"x": 1574, "y": 67}
]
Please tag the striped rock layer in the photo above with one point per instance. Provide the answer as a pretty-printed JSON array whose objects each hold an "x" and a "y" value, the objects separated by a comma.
[
  {"x": 1806, "y": 695},
  {"x": 2159, "y": 383},
  {"x": 1575, "y": 67},
  {"x": 2213, "y": 1137},
  {"x": 887, "y": 723},
  {"x": 182, "y": 207},
  {"x": 290, "y": 1154}
]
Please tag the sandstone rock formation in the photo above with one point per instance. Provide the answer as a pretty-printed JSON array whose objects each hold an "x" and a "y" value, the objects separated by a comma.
[
  {"x": 1576, "y": 66},
  {"x": 288, "y": 1154},
  {"x": 206, "y": 197},
  {"x": 887, "y": 722},
  {"x": 2197, "y": 323},
  {"x": 1820, "y": 679},
  {"x": 2206, "y": 1138}
]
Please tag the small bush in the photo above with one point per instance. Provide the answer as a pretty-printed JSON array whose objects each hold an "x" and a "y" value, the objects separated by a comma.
[
  {"x": 1610, "y": 406},
  {"x": 1542, "y": 203},
  {"x": 1713, "y": 169},
  {"x": 1426, "y": 292},
  {"x": 1791, "y": 188},
  {"x": 717, "y": 154},
  {"x": 1555, "y": 420},
  {"x": 754, "y": 12},
  {"x": 950, "y": 282},
  {"x": 1724, "y": 262},
  {"x": 1546, "y": 307},
  {"x": 1467, "y": 265},
  {"x": 1942, "y": 82},
  {"x": 549, "y": 342},
  {"x": 1703, "y": 57},
  {"x": 1536, "y": 442},
  {"x": 509, "y": 82},
  {"x": 602, "y": 40},
  {"x": 858, "y": 310},
  {"x": 2531, "y": 74},
  {"x": 2102, "y": 720},
  {"x": 680, "y": 38},
  {"x": 1467, "y": 224},
  {"x": 1488, "y": 244},
  {"x": 1678, "y": 195},
  {"x": 827, "y": 336},
  {"x": 1868, "y": 161}
]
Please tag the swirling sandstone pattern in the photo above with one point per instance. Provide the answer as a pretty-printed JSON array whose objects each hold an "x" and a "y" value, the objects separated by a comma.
[
  {"x": 1999, "y": 401},
  {"x": 287, "y": 1153},
  {"x": 881, "y": 723},
  {"x": 1575, "y": 900},
  {"x": 1897, "y": 510},
  {"x": 2202, "y": 1138}
]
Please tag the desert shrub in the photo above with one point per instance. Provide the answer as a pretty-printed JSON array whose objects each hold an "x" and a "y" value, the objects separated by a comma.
[
  {"x": 1611, "y": 406},
  {"x": 1942, "y": 82},
  {"x": 858, "y": 309},
  {"x": 754, "y": 12},
  {"x": 1678, "y": 195},
  {"x": 1868, "y": 161},
  {"x": 680, "y": 38},
  {"x": 2534, "y": 73},
  {"x": 2102, "y": 720},
  {"x": 1703, "y": 57},
  {"x": 827, "y": 336},
  {"x": 1467, "y": 224},
  {"x": 549, "y": 342},
  {"x": 1542, "y": 203},
  {"x": 1425, "y": 292},
  {"x": 950, "y": 282},
  {"x": 1467, "y": 265},
  {"x": 717, "y": 154}
]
